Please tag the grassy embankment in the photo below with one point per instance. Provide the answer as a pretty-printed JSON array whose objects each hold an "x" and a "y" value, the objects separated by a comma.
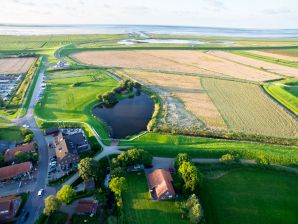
[
  {"x": 292, "y": 64},
  {"x": 257, "y": 196},
  {"x": 285, "y": 92},
  {"x": 167, "y": 145},
  {"x": 139, "y": 209},
  {"x": 71, "y": 96}
]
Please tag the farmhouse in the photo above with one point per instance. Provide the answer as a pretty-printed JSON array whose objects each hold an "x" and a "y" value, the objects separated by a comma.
[
  {"x": 87, "y": 207},
  {"x": 10, "y": 153},
  {"x": 9, "y": 206},
  {"x": 15, "y": 171},
  {"x": 67, "y": 156},
  {"x": 160, "y": 185}
]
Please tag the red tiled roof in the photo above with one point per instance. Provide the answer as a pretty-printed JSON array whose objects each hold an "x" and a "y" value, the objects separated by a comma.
[
  {"x": 161, "y": 180},
  {"x": 9, "y": 172},
  {"x": 9, "y": 206},
  {"x": 87, "y": 206},
  {"x": 10, "y": 153}
]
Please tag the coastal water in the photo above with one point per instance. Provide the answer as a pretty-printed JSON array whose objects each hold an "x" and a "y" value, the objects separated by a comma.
[{"x": 142, "y": 29}]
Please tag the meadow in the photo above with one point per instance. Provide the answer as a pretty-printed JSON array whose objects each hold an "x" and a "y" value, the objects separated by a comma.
[
  {"x": 71, "y": 95},
  {"x": 247, "y": 195},
  {"x": 246, "y": 108},
  {"x": 285, "y": 92},
  {"x": 13, "y": 133},
  {"x": 138, "y": 208},
  {"x": 167, "y": 145}
]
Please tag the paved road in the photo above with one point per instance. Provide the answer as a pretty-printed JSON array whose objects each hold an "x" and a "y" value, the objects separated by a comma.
[{"x": 35, "y": 204}]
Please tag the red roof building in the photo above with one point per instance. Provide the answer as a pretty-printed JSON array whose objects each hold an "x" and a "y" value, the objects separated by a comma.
[
  {"x": 15, "y": 171},
  {"x": 87, "y": 207},
  {"x": 9, "y": 206},
  {"x": 160, "y": 185},
  {"x": 10, "y": 153}
]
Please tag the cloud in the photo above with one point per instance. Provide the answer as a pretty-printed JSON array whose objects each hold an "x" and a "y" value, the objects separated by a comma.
[
  {"x": 214, "y": 4},
  {"x": 277, "y": 11}
]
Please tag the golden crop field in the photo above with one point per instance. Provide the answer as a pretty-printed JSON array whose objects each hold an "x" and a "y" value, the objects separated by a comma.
[
  {"x": 246, "y": 108},
  {"x": 188, "y": 89},
  {"x": 275, "y": 54},
  {"x": 15, "y": 65},
  {"x": 185, "y": 61},
  {"x": 275, "y": 68}
]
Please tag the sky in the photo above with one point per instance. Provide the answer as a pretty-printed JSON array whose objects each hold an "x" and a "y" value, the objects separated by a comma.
[{"x": 213, "y": 13}]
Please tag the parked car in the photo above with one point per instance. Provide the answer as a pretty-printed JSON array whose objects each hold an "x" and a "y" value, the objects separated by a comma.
[{"x": 40, "y": 192}]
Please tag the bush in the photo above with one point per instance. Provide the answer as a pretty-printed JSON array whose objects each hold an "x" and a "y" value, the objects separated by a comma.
[{"x": 229, "y": 158}]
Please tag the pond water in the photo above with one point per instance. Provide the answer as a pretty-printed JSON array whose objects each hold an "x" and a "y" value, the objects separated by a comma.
[{"x": 128, "y": 117}]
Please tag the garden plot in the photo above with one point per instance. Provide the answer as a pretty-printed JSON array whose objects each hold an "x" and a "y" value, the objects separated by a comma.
[
  {"x": 274, "y": 68},
  {"x": 247, "y": 109},
  {"x": 188, "y": 89},
  {"x": 182, "y": 61}
]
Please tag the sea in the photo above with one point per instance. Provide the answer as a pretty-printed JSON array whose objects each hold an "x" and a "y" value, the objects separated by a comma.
[{"x": 146, "y": 29}]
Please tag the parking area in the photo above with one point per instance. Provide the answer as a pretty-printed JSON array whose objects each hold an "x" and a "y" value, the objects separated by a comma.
[{"x": 9, "y": 83}]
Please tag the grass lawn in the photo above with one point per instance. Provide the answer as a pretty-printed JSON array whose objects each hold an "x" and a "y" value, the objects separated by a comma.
[
  {"x": 286, "y": 95},
  {"x": 248, "y": 195},
  {"x": 71, "y": 95},
  {"x": 139, "y": 209},
  {"x": 11, "y": 133},
  {"x": 167, "y": 145}
]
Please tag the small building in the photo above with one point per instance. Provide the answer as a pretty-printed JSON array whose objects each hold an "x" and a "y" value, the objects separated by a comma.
[
  {"x": 15, "y": 171},
  {"x": 10, "y": 153},
  {"x": 160, "y": 185},
  {"x": 89, "y": 185},
  {"x": 67, "y": 156},
  {"x": 9, "y": 206},
  {"x": 87, "y": 207}
]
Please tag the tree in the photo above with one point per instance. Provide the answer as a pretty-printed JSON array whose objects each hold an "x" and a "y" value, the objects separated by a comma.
[
  {"x": 118, "y": 172},
  {"x": 22, "y": 156},
  {"x": 194, "y": 209},
  {"x": 51, "y": 205},
  {"x": 133, "y": 157},
  {"x": 117, "y": 185},
  {"x": 66, "y": 194},
  {"x": 28, "y": 137},
  {"x": 88, "y": 168},
  {"x": 189, "y": 174},
  {"x": 2, "y": 163},
  {"x": 109, "y": 99},
  {"x": 180, "y": 158},
  {"x": 1, "y": 102}
]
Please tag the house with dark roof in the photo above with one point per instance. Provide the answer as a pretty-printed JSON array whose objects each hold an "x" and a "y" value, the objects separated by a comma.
[
  {"x": 77, "y": 141},
  {"x": 67, "y": 156},
  {"x": 160, "y": 185},
  {"x": 87, "y": 207},
  {"x": 15, "y": 171},
  {"x": 9, "y": 206},
  {"x": 10, "y": 153}
]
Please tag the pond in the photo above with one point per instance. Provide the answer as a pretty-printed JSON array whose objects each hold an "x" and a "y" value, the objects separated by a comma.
[{"x": 128, "y": 117}]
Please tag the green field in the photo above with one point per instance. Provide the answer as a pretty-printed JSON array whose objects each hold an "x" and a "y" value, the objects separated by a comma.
[
  {"x": 10, "y": 133},
  {"x": 286, "y": 92},
  {"x": 167, "y": 145},
  {"x": 245, "y": 108},
  {"x": 71, "y": 95},
  {"x": 249, "y": 195},
  {"x": 138, "y": 208}
]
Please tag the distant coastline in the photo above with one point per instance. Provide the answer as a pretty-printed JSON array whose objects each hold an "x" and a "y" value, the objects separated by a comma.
[{"x": 13, "y": 29}]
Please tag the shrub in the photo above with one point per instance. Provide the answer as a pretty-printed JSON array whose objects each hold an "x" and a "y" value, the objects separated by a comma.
[{"x": 229, "y": 158}]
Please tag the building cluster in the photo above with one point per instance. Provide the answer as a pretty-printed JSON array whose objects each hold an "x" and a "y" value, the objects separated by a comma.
[{"x": 16, "y": 171}]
